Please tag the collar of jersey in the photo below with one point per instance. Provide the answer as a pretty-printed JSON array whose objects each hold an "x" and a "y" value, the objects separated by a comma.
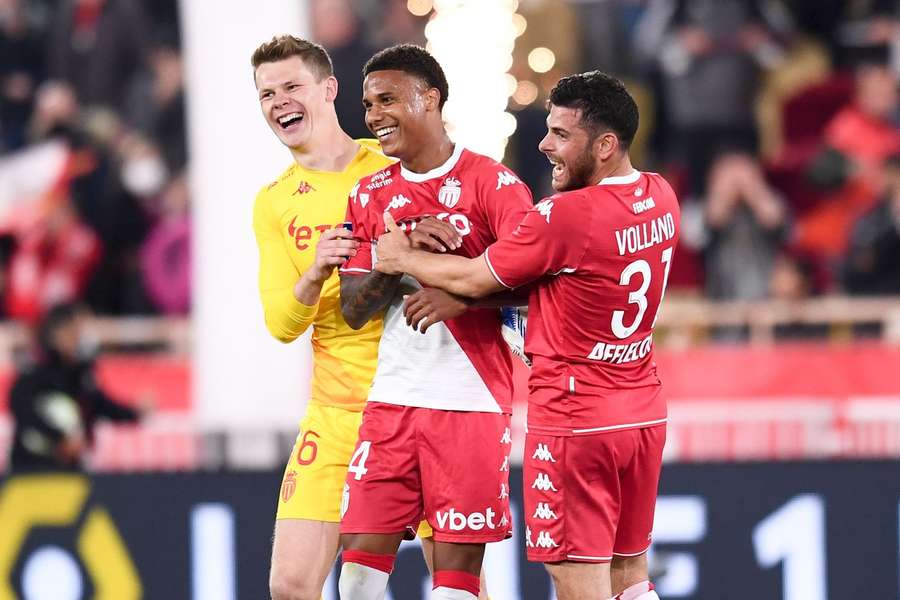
[
  {"x": 435, "y": 172},
  {"x": 630, "y": 178}
]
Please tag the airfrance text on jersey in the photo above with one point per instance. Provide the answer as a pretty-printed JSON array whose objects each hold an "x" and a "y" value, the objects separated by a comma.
[{"x": 622, "y": 353}]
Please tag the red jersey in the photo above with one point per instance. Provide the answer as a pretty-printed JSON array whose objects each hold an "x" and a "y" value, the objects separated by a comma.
[
  {"x": 601, "y": 256},
  {"x": 463, "y": 363}
]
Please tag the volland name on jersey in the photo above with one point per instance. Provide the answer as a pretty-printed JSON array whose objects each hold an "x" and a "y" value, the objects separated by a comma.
[{"x": 637, "y": 237}]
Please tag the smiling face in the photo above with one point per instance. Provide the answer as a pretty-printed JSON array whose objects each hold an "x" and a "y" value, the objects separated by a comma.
[
  {"x": 292, "y": 99},
  {"x": 397, "y": 108},
  {"x": 570, "y": 149}
]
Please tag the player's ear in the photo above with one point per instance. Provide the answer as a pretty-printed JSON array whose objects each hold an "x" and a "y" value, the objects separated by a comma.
[
  {"x": 605, "y": 145},
  {"x": 433, "y": 99},
  {"x": 331, "y": 88}
]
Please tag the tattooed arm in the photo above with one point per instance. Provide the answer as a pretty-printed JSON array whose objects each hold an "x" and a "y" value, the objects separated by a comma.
[{"x": 362, "y": 296}]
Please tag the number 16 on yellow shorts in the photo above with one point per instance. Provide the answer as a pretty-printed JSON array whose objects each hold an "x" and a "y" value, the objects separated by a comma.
[{"x": 314, "y": 475}]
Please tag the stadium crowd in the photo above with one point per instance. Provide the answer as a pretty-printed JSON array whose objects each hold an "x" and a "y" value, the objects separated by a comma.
[{"x": 775, "y": 120}]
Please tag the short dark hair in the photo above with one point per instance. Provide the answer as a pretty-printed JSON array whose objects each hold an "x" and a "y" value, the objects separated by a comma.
[
  {"x": 414, "y": 60},
  {"x": 604, "y": 103},
  {"x": 281, "y": 47}
]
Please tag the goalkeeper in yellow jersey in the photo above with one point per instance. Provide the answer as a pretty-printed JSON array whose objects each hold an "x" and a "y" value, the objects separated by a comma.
[{"x": 297, "y": 221}]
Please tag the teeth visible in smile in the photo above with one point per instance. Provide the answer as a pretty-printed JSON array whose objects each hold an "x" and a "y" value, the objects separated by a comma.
[
  {"x": 289, "y": 117},
  {"x": 385, "y": 131}
]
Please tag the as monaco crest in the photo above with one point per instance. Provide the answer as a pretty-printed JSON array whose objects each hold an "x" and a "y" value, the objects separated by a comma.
[
  {"x": 449, "y": 193},
  {"x": 288, "y": 486}
]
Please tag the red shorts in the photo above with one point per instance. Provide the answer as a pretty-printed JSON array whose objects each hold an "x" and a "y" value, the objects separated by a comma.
[
  {"x": 590, "y": 497},
  {"x": 450, "y": 466}
]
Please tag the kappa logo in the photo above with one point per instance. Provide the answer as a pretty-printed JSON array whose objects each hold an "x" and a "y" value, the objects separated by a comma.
[
  {"x": 506, "y": 178},
  {"x": 398, "y": 201},
  {"x": 545, "y": 541},
  {"x": 450, "y": 192},
  {"x": 543, "y": 511},
  {"x": 504, "y": 520},
  {"x": 354, "y": 195},
  {"x": 505, "y": 465},
  {"x": 542, "y": 452},
  {"x": 458, "y": 521},
  {"x": 304, "y": 187},
  {"x": 507, "y": 437},
  {"x": 542, "y": 482},
  {"x": 504, "y": 492},
  {"x": 345, "y": 499},
  {"x": 544, "y": 207},
  {"x": 528, "y": 542}
]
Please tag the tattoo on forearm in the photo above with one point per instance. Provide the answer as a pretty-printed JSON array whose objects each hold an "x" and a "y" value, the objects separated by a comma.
[{"x": 364, "y": 295}]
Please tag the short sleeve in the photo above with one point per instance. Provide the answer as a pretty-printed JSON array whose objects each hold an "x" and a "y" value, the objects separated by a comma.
[
  {"x": 359, "y": 217},
  {"x": 551, "y": 239},
  {"x": 505, "y": 200}
]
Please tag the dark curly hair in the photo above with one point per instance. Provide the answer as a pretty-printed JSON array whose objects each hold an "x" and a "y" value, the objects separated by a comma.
[
  {"x": 414, "y": 60},
  {"x": 604, "y": 102}
]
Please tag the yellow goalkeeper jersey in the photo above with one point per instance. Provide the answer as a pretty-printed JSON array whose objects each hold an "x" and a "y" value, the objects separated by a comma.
[{"x": 288, "y": 217}]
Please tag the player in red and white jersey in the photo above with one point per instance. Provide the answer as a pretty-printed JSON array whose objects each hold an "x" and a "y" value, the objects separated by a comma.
[
  {"x": 435, "y": 433},
  {"x": 599, "y": 254}
]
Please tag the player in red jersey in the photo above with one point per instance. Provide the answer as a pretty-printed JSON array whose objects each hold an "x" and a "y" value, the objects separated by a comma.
[
  {"x": 434, "y": 440},
  {"x": 599, "y": 253}
]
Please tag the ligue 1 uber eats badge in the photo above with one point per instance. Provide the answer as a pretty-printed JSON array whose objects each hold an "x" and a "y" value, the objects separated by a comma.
[{"x": 448, "y": 195}]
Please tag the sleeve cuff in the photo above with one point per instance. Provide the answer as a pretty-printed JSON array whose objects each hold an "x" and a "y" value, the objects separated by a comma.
[
  {"x": 487, "y": 259},
  {"x": 299, "y": 311}
]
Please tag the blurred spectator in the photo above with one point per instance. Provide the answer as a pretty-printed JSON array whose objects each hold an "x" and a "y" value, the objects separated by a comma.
[
  {"x": 166, "y": 254},
  {"x": 793, "y": 278},
  {"x": 872, "y": 265},
  {"x": 337, "y": 26},
  {"x": 51, "y": 263},
  {"x": 117, "y": 170},
  {"x": 161, "y": 102},
  {"x": 708, "y": 53},
  {"x": 56, "y": 110},
  {"x": 55, "y": 399},
  {"x": 866, "y": 131},
  {"x": 844, "y": 26},
  {"x": 100, "y": 47},
  {"x": 747, "y": 223},
  {"x": 859, "y": 139},
  {"x": 112, "y": 200},
  {"x": 393, "y": 23},
  {"x": 22, "y": 51},
  {"x": 607, "y": 33}
]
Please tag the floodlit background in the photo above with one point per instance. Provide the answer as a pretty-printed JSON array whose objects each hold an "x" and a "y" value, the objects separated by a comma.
[{"x": 131, "y": 148}]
